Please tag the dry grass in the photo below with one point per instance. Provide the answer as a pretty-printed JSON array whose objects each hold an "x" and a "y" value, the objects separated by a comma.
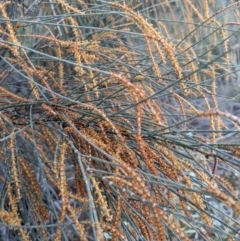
[{"x": 96, "y": 99}]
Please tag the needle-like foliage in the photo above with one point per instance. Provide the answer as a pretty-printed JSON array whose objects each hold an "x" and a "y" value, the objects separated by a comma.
[{"x": 97, "y": 112}]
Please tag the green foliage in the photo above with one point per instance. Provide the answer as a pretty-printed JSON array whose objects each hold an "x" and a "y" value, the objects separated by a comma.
[{"x": 111, "y": 123}]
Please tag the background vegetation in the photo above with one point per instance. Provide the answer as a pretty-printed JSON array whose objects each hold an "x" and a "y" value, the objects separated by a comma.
[{"x": 117, "y": 120}]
